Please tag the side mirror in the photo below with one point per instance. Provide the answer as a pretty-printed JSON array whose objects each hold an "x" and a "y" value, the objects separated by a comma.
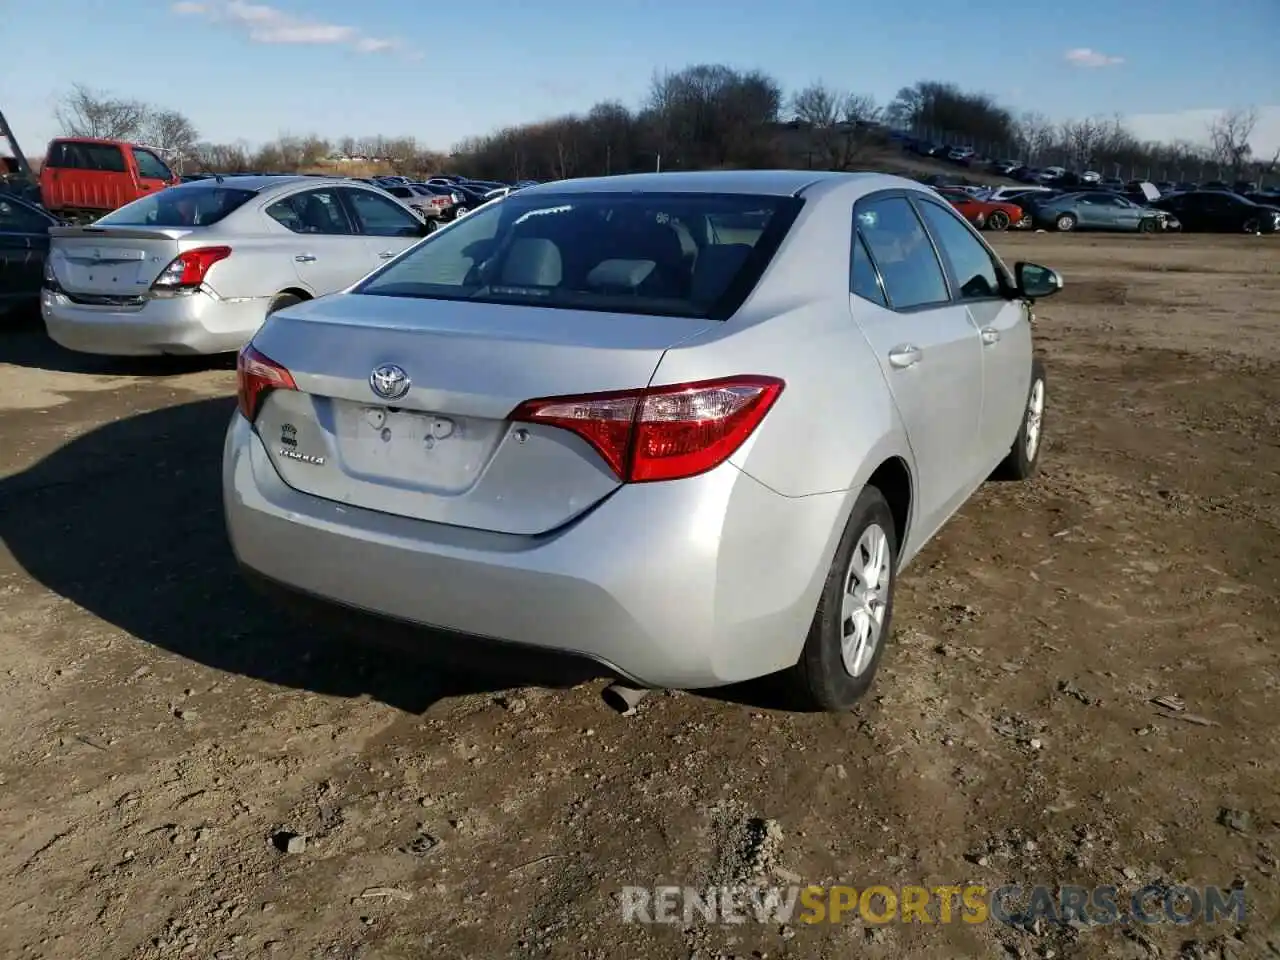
[{"x": 1035, "y": 281}]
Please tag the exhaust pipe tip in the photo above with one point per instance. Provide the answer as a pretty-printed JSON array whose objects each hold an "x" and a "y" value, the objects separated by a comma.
[{"x": 624, "y": 699}]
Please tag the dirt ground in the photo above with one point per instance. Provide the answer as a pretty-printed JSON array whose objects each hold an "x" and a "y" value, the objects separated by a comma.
[{"x": 162, "y": 726}]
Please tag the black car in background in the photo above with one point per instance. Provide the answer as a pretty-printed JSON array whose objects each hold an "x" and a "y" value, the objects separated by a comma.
[
  {"x": 24, "y": 245},
  {"x": 1217, "y": 211}
]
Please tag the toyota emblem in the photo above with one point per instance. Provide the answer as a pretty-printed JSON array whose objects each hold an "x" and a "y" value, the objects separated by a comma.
[{"x": 389, "y": 381}]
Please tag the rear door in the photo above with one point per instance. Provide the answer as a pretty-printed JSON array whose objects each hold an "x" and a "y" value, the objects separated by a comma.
[
  {"x": 328, "y": 253},
  {"x": 927, "y": 346},
  {"x": 92, "y": 176},
  {"x": 387, "y": 226}
]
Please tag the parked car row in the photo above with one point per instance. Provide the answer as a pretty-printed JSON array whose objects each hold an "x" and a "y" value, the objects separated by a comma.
[
  {"x": 1058, "y": 176},
  {"x": 1199, "y": 211},
  {"x": 438, "y": 200}
]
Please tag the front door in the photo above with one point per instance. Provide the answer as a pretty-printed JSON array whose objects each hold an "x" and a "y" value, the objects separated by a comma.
[
  {"x": 388, "y": 227},
  {"x": 927, "y": 348},
  {"x": 153, "y": 173}
]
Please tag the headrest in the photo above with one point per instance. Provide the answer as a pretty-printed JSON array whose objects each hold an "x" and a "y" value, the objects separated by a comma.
[
  {"x": 532, "y": 262},
  {"x": 620, "y": 273}
]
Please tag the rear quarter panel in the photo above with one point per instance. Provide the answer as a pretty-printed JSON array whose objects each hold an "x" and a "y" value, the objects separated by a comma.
[
  {"x": 261, "y": 263},
  {"x": 835, "y": 415},
  {"x": 834, "y": 421}
]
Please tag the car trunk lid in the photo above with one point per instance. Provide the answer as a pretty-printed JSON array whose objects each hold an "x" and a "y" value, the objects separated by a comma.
[
  {"x": 112, "y": 261},
  {"x": 445, "y": 451}
]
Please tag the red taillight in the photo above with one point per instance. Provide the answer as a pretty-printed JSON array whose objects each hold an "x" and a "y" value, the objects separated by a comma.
[
  {"x": 441, "y": 201},
  {"x": 256, "y": 376},
  {"x": 666, "y": 432},
  {"x": 187, "y": 270}
]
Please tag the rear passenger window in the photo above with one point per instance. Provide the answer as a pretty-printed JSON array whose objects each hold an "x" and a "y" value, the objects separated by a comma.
[
  {"x": 897, "y": 240},
  {"x": 314, "y": 211},
  {"x": 863, "y": 279},
  {"x": 972, "y": 268},
  {"x": 103, "y": 157}
]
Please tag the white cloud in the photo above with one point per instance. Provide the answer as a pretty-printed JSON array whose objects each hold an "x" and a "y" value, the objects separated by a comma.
[
  {"x": 1084, "y": 57},
  {"x": 265, "y": 24},
  {"x": 1192, "y": 126}
]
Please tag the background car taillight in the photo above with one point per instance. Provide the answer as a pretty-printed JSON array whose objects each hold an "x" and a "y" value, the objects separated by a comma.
[
  {"x": 187, "y": 270},
  {"x": 256, "y": 376},
  {"x": 50, "y": 281},
  {"x": 441, "y": 201},
  {"x": 665, "y": 432}
]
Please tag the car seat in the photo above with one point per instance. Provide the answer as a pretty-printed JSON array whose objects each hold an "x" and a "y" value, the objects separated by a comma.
[
  {"x": 317, "y": 217},
  {"x": 532, "y": 262}
]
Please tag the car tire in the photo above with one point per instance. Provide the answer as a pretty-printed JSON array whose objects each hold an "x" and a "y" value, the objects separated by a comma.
[
  {"x": 998, "y": 220},
  {"x": 1023, "y": 460},
  {"x": 281, "y": 301},
  {"x": 432, "y": 225},
  {"x": 461, "y": 212},
  {"x": 1148, "y": 225},
  {"x": 851, "y": 627},
  {"x": 1066, "y": 222}
]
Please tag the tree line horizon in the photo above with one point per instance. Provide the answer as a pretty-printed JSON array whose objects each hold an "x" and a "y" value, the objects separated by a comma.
[{"x": 705, "y": 116}]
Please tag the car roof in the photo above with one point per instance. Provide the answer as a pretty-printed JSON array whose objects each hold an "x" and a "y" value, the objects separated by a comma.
[
  {"x": 260, "y": 184},
  {"x": 773, "y": 183}
]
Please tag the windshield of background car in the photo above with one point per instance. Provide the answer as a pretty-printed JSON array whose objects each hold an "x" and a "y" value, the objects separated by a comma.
[
  {"x": 188, "y": 206},
  {"x": 674, "y": 254}
]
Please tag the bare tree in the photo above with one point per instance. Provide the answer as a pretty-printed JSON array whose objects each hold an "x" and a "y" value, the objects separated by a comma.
[
  {"x": 1036, "y": 136},
  {"x": 840, "y": 125},
  {"x": 1229, "y": 137},
  {"x": 171, "y": 133},
  {"x": 1083, "y": 138},
  {"x": 817, "y": 105},
  {"x": 85, "y": 112}
]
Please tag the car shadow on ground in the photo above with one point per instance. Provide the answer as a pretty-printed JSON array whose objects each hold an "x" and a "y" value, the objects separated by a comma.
[
  {"x": 24, "y": 343},
  {"x": 126, "y": 521}
]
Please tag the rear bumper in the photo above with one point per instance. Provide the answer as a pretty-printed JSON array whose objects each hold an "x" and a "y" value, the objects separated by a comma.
[
  {"x": 200, "y": 323},
  {"x": 694, "y": 583}
]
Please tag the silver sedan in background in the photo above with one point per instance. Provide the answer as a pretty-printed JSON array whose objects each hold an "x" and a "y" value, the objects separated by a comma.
[
  {"x": 196, "y": 268},
  {"x": 688, "y": 425}
]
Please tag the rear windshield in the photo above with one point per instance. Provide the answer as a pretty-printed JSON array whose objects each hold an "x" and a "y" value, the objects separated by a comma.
[
  {"x": 199, "y": 204},
  {"x": 676, "y": 254}
]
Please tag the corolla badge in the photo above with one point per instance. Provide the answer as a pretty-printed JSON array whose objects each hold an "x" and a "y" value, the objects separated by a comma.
[{"x": 389, "y": 381}]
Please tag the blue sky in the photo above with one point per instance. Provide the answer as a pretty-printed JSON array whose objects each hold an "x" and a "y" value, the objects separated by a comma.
[{"x": 251, "y": 71}]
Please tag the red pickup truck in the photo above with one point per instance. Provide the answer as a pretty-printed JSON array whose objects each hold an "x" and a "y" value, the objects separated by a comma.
[{"x": 86, "y": 178}]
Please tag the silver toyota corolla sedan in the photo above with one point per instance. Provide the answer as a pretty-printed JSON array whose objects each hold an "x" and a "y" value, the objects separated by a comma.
[
  {"x": 688, "y": 425},
  {"x": 196, "y": 268}
]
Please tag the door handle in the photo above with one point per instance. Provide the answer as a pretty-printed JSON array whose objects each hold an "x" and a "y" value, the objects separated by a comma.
[
  {"x": 386, "y": 255},
  {"x": 990, "y": 335},
  {"x": 305, "y": 258},
  {"x": 905, "y": 356}
]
